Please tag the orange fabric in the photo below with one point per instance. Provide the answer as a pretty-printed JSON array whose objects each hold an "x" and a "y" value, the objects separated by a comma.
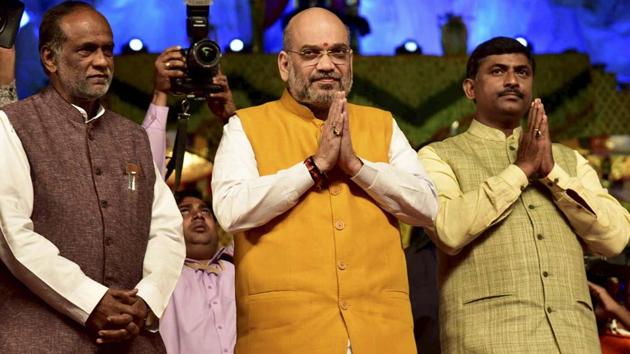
[{"x": 332, "y": 267}]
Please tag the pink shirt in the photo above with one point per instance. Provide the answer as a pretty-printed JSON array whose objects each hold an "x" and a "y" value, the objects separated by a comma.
[
  {"x": 201, "y": 315},
  {"x": 155, "y": 125}
]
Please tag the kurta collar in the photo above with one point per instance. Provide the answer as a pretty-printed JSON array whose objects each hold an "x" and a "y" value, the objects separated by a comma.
[
  {"x": 483, "y": 131},
  {"x": 99, "y": 113},
  {"x": 295, "y": 107},
  {"x": 52, "y": 92}
]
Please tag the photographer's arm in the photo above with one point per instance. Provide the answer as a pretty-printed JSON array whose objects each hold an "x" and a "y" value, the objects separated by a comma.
[
  {"x": 8, "y": 93},
  {"x": 608, "y": 307},
  {"x": 167, "y": 65}
]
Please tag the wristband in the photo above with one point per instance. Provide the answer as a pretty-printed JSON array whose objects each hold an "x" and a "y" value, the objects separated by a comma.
[{"x": 317, "y": 175}]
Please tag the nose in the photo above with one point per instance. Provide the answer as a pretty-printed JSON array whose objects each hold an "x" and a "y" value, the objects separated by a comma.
[
  {"x": 100, "y": 59},
  {"x": 510, "y": 79},
  {"x": 197, "y": 213},
  {"x": 325, "y": 63}
]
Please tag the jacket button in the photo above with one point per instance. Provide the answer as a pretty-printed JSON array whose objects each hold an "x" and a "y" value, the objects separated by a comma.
[
  {"x": 545, "y": 274},
  {"x": 339, "y": 225},
  {"x": 531, "y": 206},
  {"x": 104, "y": 204},
  {"x": 98, "y": 171},
  {"x": 335, "y": 190},
  {"x": 344, "y": 305},
  {"x": 540, "y": 236},
  {"x": 549, "y": 309},
  {"x": 341, "y": 265},
  {"x": 108, "y": 241}
]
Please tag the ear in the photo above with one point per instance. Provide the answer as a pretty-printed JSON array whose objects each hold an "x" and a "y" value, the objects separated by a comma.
[
  {"x": 283, "y": 65},
  {"x": 350, "y": 64},
  {"x": 48, "y": 58},
  {"x": 469, "y": 88}
]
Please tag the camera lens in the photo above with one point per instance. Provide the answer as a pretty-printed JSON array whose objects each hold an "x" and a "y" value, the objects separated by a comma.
[{"x": 206, "y": 53}]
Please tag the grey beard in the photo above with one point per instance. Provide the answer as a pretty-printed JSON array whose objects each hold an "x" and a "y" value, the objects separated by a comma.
[{"x": 306, "y": 94}]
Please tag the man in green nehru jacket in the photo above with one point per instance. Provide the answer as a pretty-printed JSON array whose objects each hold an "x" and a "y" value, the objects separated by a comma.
[{"x": 515, "y": 212}]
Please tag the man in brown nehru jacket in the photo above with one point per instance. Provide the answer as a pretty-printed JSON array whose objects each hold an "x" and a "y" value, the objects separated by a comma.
[{"x": 90, "y": 239}]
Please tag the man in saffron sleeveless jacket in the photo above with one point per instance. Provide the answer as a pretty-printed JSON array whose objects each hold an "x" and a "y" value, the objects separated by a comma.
[{"x": 313, "y": 187}]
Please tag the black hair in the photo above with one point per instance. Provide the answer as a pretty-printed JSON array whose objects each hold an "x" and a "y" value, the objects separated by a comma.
[
  {"x": 189, "y": 192},
  {"x": 496, "y": 46},
  {"x": 50, "y": 33}
]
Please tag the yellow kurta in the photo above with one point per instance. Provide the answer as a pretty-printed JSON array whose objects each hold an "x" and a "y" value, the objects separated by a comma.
[
  {"x": 511, "y": 270},
  {"x": 331, "y": 268}
]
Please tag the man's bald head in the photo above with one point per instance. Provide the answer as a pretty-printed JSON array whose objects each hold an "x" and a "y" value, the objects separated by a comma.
[{"x": 312, "y": 19}]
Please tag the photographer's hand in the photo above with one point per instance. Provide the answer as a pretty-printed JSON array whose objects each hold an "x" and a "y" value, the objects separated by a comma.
[
  {"x": 221, "y": 103},
  {"x": 606, "y": 307},
  {"x": 7, "y": 65},
  {"x": 169, "y": 64}
]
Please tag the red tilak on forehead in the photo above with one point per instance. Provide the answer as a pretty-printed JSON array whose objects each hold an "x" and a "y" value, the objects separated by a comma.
[{"x": 325, "y": 44}]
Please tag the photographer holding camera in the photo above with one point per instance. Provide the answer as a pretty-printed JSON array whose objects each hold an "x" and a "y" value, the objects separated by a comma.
[
  {"x": 170, "y": 65},
  {"x": 193, "y": 72}
]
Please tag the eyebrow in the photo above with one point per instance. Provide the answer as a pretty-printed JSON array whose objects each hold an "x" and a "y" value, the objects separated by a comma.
[
  {"x": 91, "y": 45},
  {"x": 505, "y": 66},
  {"x": 334, "y": 45}
]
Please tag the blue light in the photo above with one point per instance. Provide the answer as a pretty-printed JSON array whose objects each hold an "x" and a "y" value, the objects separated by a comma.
[
  {"x": 25, "y": 19},
  {"x": 136, "y": 44},
  {"x": 236, "y": 45}
]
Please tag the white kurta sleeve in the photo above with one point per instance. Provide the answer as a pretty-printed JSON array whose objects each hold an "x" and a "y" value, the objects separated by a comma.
[
  {"x": 402, "y": 186},
  {"x": 242, "y": 199},
  {"x": 165, "y": 252}
]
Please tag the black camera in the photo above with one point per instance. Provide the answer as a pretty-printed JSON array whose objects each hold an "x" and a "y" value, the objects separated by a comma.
[
  {"x": 10, "y": 15},
  {"x": 203, "y": 56}
]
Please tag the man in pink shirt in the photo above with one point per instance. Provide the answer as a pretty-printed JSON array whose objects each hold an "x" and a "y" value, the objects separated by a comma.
[{"x": 201, "y": 315}]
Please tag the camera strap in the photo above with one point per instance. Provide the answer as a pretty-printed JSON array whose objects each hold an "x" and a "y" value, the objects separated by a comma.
[{"x": 177, "y": 161}]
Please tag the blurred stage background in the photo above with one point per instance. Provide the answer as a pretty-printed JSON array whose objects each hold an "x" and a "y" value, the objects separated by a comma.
[{"x": 581, "y": 47}]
